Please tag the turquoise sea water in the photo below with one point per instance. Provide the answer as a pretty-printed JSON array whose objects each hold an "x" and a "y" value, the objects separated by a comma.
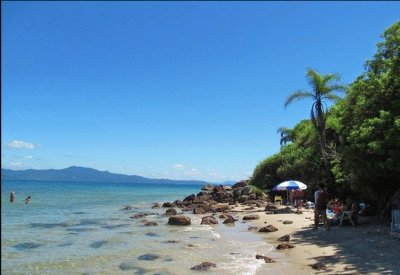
[{"x": 81, "y": 228}]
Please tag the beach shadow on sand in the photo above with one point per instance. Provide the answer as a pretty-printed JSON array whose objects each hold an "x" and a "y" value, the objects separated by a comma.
[{"x": 365, "y": 249}]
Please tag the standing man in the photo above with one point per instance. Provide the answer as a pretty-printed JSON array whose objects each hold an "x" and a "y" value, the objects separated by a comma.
[{"x": 321, "y": 200}]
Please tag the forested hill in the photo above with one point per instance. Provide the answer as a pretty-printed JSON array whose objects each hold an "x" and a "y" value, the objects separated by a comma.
[{"x": 82, "y": 174}]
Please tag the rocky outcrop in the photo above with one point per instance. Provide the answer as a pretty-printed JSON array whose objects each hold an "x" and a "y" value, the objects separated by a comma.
[
  {"x": 179, "y": 220},
  {"x": 268, "y": 228},
  {"x": 219, "y": 198},
  {"x": 204, "y": 266}
]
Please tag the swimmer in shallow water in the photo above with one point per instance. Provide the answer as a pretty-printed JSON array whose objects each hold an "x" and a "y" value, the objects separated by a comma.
[
  {"x": 12, "y": 196},
  {"x": 27, "y": 200}
]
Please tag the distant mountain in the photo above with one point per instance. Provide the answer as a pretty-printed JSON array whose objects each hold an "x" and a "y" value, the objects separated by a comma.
[{"x": 82, "y": 174}]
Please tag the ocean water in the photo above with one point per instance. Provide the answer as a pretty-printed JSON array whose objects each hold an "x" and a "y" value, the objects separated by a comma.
[{"x": 81, "y": 228}]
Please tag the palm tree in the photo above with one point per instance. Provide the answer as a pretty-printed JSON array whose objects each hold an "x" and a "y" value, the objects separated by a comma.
[
  {"x": 324, "y": 88},
  {"x": 286, "y": 135}
]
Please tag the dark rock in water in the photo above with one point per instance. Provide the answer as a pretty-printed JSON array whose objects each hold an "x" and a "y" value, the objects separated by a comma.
[
  {"x": 225, "y": 216},
  {"x": 79, "y": 212},
  {"x": 179, "y": 220},
  {"x": 204, "y": 266},
  {"x": 127, "y": 208},
  {"x": 287, "y": 222},
  {"x": 251, "y": 217},
  {"x": 151, "y": 224},
  {"x": 65, "y": 244},
  {"x": 284, "y": 238},
  {"x": 49, "y": 225},
  {"x": 209, "y": 220},
  {"x": 80, "y": 229},
  {"x": 115, "y": 226},
  {"x": 265, "y": 258},
  {"x": 170, "y": 212},
  {"x": 26, "y": 246},
  {"x": 168, "y": 204},
  {"x": 148, "y": 257},
  {"x": 131, "y": 266},
  {"x": 140, "y": 215},
  {"x": 172, "y": 241},
  {"x": 251, "y": 228},
  {"x": 168, "y": 260},
  {"x": 152, "y": 234},
  {"x": 229, "y": 220},
  {"x": 268, "y": 228},
  {"x": 98, "y": 244},
  {"x": 156, "y": 205},
  {"x": 284, "y": 246}
]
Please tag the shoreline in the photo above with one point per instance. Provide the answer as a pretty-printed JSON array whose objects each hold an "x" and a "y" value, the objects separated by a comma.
[{"x": 365, "y": 249}]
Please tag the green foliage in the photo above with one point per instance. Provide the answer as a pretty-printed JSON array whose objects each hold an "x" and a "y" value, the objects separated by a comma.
[
  {"x": 370, "y": 119},
  {"x": 359, "y": 135},
  {"x": 255, "y": 190}
]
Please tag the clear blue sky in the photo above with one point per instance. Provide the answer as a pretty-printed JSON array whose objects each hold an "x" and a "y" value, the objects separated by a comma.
[{"x": 180, "y": 90}]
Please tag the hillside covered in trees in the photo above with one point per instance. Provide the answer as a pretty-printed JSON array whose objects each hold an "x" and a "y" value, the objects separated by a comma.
[{"x": 354, "y": 145}]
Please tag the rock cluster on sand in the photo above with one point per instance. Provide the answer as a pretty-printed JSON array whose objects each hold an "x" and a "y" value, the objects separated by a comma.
[
  {"x": 284, "y": 246},
  {"x": 219, "y": 198},
  {"x": 268, "y": 228},
  {"x": 179, "y": 220}
]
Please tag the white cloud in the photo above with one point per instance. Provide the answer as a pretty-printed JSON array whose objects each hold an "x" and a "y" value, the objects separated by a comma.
[
  {"x": 28, "y": 157},
  {"x": 19, "y": 144},
  {"x": 178, "y": 166},
  {"x": 16, "y": 165}
]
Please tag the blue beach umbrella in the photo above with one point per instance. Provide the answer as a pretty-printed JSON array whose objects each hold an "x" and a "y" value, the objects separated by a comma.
[{"x": 290, "y": 185}]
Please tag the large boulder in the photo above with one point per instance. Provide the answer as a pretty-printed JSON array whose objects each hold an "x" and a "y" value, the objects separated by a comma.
[
  {"x": 168, "y": 204},
  {"x": 243, "y": 198},
  {"x": 251, "y": 217},
  {"x": 170, "y": 212},
  {"x": 198, "y": 210},
  {"x": 239, "y": 184},
  {"x": 246, "y": 190},
  {"x": 284, "y": 238},
  {"x": 179, "y": 220},
  {"x": 268, "y": 228},
  {"x": 220, "y": 207},
  {"x": 209, "y": 220},
  {"x": 229, "y": 220},
  {"x": 189, "y": 198}
]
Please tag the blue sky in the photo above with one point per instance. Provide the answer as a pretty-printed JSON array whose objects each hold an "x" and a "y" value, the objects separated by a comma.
[{"x": 179, "y": 90}]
